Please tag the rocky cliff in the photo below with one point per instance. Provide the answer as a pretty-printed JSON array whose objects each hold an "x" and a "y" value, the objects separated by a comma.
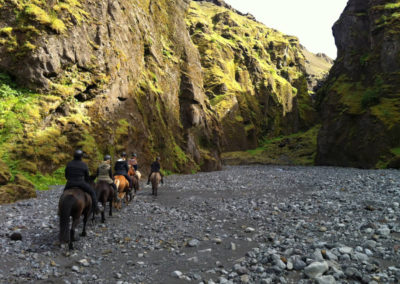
[
  {"x": 255, "y": 77},
  {"x": 114, "y": 75},
  {"x": 178, "y": 79},
  {"x": 360, "y": 105}
]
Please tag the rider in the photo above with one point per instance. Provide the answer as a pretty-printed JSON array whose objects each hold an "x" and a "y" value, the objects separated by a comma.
[
  {"x": 155, "y": 168},
  {"x": 77, "y": 175},
  {"x": 121, "y": 168},
  {"x": 133, "y": 161},
  {"x": 104, "y": 173}
]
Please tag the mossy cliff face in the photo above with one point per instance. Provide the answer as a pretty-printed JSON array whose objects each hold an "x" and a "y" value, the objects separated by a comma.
[
  {"x": 174, "y": 78},
  {"x": 14, "y": 188},
  {"x": 109, "y": 76},
  {"x": 254, "y": 76},
  {"x": 361, "y": 100}
]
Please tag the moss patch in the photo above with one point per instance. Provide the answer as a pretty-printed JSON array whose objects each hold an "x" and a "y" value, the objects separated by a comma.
[{"x": 296, "y": 149}]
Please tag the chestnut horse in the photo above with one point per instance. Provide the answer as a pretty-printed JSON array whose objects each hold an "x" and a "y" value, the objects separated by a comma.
[
  {"x": 155, "y": 179},
  {"x": 73, "y": 203},
  {"x": 123, "y": 191},
  {"x": 105, "y": 193}
]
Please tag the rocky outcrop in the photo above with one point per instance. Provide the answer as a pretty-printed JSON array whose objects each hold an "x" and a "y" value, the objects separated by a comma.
[
  {"x": 254, "y": 76},
  {"x": 317, "y": 68},
  {"x": 120, "y": 75},
  {"x": 11, "y": 191},
  {"x": 360, "y": 105}
]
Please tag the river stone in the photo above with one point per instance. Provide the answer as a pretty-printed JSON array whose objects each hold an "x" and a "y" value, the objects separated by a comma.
[
  {"x": 16, "y": 236},
  {"x": 330, "y": 256},
  {"x": 194, "y": 243},
  {"x": 316, "y": 269},
  {"x": 345, "y": 250},
  {"x": 176, "y": 274},
  {"x": 361, "y": 256},
  {"x": 326, "y": 279},
  {"x": 384, "y": 231},
  {"x": 299, "y": 264},
  {"x": 249, "y": 230},
  {"x": 245, "y": 278}
]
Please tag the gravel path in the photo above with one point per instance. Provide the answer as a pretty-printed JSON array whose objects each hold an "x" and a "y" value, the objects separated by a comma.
[{"x": 247, "y": 224}]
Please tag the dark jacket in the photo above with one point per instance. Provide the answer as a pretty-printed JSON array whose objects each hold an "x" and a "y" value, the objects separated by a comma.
[
  {"x": 77, "y": 171},
  {"x": 121, "y": 167},
  {"x": 155, "y": 167}
]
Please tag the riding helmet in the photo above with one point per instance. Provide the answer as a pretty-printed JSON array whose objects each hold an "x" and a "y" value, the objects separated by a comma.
[
  {"x": 123, "y": 154},
  {"x": 158, "y": 158},
  {"x": 134, "y": 155},
  {"x": 107, "y": 157},
  {"x": 78, "y": 154}
]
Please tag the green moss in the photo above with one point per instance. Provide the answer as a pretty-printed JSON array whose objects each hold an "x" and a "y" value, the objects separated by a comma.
[
  {"x": 388, "y": 111},
  {"x": 296, "y": 149},
  {"x": 35, "y": 17},
  {"x": 29, "y": 147},
  {"x": 239, "y": 59},
  {"x": 395, "y": 151}
]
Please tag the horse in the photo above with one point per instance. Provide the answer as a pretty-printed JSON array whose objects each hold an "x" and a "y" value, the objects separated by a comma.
[
  {"x": 123, "y": 190},
  {"x": 155, "y": 179},
  {"x": 73, "y": 203},
  {"x": 135, "y": 175},
  {"x": 105, "y": 193}
]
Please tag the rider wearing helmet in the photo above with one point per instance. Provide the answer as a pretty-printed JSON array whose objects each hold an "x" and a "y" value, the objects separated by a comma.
[
  {"x": 121, "y": 168},
  {"x": 133, "y": 161},
  {"x": 104, "y": 173},
  {"x": 155, "y": 168},
  {"x": 77, "y": 175}
]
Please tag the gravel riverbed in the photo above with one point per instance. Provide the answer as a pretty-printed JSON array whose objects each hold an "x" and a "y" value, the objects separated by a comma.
[{"x": 245, "y": 224}]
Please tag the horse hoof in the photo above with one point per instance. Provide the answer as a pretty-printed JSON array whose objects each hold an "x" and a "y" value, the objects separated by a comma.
[
  {"x": 83, "y": 234},
  {"x": 71, "y": 247}
]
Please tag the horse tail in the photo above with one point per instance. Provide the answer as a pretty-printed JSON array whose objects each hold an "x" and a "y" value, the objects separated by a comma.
[
  {"x": 65, "y": 213},
  {"x": 117, "y": 182}
]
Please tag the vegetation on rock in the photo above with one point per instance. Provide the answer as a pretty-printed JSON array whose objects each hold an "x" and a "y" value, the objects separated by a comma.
[
  {"x": 296, "y": 149},
  {"x": 254, "y": 76},
  {"x": 360, "y": 103},
  {"x": 137, "y": 81}
]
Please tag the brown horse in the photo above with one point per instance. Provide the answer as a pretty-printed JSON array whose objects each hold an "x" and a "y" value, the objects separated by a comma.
[
  {"x": 73, "y": 203},
  {"x": 135, "y": 178},
  {"x": 123, "y": 191},
  {"x": 155, "y": 179},
  {"x": 105, "y": 193}
]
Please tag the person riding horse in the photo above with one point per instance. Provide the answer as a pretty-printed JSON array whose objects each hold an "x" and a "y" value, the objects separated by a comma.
[
  {"x": 77, "y": 175},
  {"x": 104, "y": 173},
  {"x": 155, "y": 168},
  {"x": 121, "y": 168},
  {"x": 133, "y": 161}
]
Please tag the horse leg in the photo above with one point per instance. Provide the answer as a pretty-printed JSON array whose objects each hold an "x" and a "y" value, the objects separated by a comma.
[
  {"x": 71, "y": 239},
  {"x": 156, "y": 190},
  {"x": 72, "y": 232},
  {"x": 110, "y": 207},
  {"x": 103, "y": 219},
  {"x": 85, "y": 218}
]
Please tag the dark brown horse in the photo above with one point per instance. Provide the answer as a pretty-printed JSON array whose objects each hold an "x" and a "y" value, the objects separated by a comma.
[
  {"x": 155, "y": 179},
  {"x": 135, "y": 176},
  {"x": 105, "y": 193},
  {"x": 73, "y": 203}
]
